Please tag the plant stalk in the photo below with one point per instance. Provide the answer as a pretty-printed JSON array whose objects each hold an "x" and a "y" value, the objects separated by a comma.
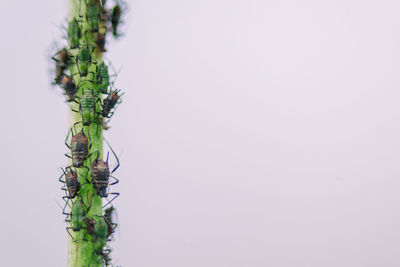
[{"x": 81, "y": 250}]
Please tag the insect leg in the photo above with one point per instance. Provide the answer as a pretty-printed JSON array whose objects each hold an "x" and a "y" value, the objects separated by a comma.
[
  {"x": 116, "y": 180},
  {"x": 112, "y": 150},
  {"x": 68, "y": 228},
  {"x": 62, "y": 175},
  {"x": 66, "y": 139},
  {"x": 66, "y": 205},
  {"x": 115, "y": 196},
  {"x": 76, "y": 123}
]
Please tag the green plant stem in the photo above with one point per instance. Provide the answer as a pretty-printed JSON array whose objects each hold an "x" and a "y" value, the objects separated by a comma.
[{"x": 81, "y": 251}]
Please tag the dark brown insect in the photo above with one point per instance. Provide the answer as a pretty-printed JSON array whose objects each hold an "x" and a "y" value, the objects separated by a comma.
[
  {"x": 72, "y": 186},
  {"x": 72, "y": 182},
  {"x": 116, "y": 19},
  {"x": 101, "y": 42},
  {"x": 100, "y": 173},
  {"x": 97, "y": 227},
  {"x": 69, "y": 88},
  {"x": 79, "y": 148},
  {"x": 62, "y": 60},
  {"x": 90, "y": 225},
  {"x": 109, "y": 103},
  {"x": 108, "y": 214}
]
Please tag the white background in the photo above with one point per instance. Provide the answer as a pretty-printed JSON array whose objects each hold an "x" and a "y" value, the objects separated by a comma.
[{"x": 252, "y": 134}]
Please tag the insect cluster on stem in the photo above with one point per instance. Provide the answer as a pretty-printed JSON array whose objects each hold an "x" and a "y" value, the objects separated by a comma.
[{"x": 89, "y": 89}]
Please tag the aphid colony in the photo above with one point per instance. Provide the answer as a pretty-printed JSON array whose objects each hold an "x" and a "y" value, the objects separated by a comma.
[{"x": 90, "y": 93}]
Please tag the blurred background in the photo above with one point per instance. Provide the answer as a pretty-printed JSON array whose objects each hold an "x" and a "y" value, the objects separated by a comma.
[{"x": 252, "y": 134}]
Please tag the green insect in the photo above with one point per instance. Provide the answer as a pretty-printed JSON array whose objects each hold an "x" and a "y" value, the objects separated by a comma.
[
  {"x": 103, "y": 78},
  {"x": 93, "y": 17},
  {"x": 101, "y": 229},
  {"x": 84, "y": 58},
  {"x": 92, "y": 2},
  {"x": 94, "y": 14},
  {"x": 98, "y": 228},
  {"x": 87, "y": 106},
  {"x": 74, "y": 33},
  {"x": 76, "y": 217}
]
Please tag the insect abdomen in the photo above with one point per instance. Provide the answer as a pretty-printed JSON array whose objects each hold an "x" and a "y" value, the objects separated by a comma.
[
  {"x": 79, "y": 149},
  {"x": 100, "y": 176},
  {"x": 72, "y": 182}
]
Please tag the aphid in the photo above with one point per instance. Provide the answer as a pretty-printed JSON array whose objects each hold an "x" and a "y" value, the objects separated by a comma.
[
  {"x": 108, "y": 217},
  {"x": 74, "y": 33},
  {"x": 71, "y": 187},
  {"x": 87, "y": 107},
  {"x": 62, "y": 60},
  {"x": 90, "y": 225},
  {"x": 79, "y": 148},
  {"x": 83, "y": 58},
  {"x": 93, "y": 17},
  {"x": 97, "y": 227},
  {"x": 100, "y": 173},
  {"x": 77, "y": 216},
  {"x": 101, "y": 42},
  {"x": 101, "y": 229},
  {"x": 116, "y": 19},
  {"x": 69, "y": 88},
  {"x": 103, "y": 78},
  {"x": 112, "y": 99},
  {"x": 71, "y": 181}
]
